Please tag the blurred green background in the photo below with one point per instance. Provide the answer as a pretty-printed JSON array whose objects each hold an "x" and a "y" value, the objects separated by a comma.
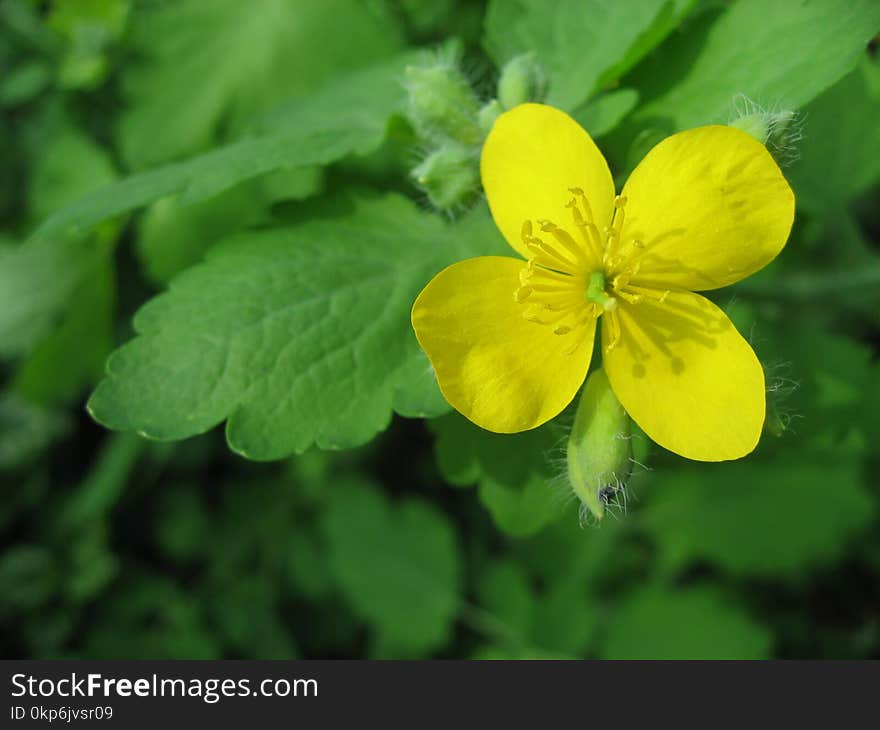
[{"x": 428, "y": 538}]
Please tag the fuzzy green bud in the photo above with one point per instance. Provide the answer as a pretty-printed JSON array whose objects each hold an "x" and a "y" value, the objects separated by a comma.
[
  {"x": 488, "y": 114},
  {"x": 599, "y": 452},
  {"x": 522, "y": 79},
  {"x": 442, "y": 104},
  {"x": 779, "y": 131},
  {"x": 450, "y": 176}
]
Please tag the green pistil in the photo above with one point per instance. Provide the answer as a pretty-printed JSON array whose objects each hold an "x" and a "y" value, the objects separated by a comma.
[{"x": 596, "y": 292}]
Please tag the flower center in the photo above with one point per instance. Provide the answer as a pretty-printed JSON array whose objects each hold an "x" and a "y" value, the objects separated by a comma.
[
  {"x": 596, "y": 292},
  {"x": 570, "y": 281}
]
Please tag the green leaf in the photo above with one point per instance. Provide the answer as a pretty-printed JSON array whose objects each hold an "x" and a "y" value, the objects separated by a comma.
[
  {"x": 71, "y": 356},
  {"x": 691, "y": 623},
  {"x": 517, "y": 482},
  {"x": 204, "y": 64},
  {"x": 602, "y": 114},
  {"x": 62, "y": 295},
  {"x": 504, "y": 590},
  {"x": 543, "y": 599},
  {"x": 297, "y": 335},
  {"x": 566, "y": 618},
  {"x": 345, "y": 117},
  {"x": 307, "y": 566},
  {"x": 26, "y": 430},
  {"x": 149, "y": 617},
  {"x": 397, "y": 564},
  {"x": 70, "y": 165},
  {"x": 182, "y": 527},
  {"x": 582, "y": 43},
  {"x": 28, "y": 578},
  {"x": 89, "y": 29},
  {"x": 820, "y": 390},
  {"x": 90, "y": 565},
  {"x": 23, "y": 83},
  {"x": 780, "y": 518},
  {"x": 173, "y": 237},
  {"x": 250, "y": 621},
  {"x": 840, "y": 155},
  {"x": 37, "y": 283},
  {"x": 524, "y": 510},
  {"x": 785, "y": 53}
]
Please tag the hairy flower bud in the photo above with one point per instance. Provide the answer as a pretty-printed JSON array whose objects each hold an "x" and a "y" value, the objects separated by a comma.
[
  {"x": 599, "y": 453},
  {"x": 450, "y": 176},
  {"x": 488, "y": 114},
  {"x": 522, "y": 79},
  {"x": 442, "y": 104},
  {"x": 779, "y": 131}
]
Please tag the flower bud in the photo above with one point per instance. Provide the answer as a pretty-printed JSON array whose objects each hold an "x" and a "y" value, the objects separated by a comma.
[
  {"x": 599, "y": 452},
  {"x": 488, "y": 114},
  {"x": 779, "y": 131},
  {"x": 442, "y": 105},
  {"x": 450, "y": 176},
  {"x": 522, "y": 79}
]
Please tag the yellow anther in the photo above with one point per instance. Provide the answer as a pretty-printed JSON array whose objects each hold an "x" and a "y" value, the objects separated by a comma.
[
  {"x": 628, "y": 297},
  {"x": 586, "y": 203},
  {"x": 619, "y": 201},
  {"x": 561, "y": 329},
  {"x": 533, "y": 312},
  {"x": 614, "y": 329},
  {"x": 523, "y": 293}
]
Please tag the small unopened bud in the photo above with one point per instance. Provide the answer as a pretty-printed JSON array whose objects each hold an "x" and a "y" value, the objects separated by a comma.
[
  {"x": 442, "y": 104},
  {"x": 488, "y": 114},
  {"x": 522, "y": 79},
  {"x": 599, "y": 453},
  {"x": 450, "y": 176},
  {"x": 779, "y": 131}
]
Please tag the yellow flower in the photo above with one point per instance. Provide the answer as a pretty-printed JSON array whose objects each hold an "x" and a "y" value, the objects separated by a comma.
[{"x": 511, "y": 340}]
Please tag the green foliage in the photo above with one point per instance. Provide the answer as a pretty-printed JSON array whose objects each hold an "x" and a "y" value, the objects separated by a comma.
[
  {"x": 36, "y": 282},
  {"x": 343, "y": 118},
  {"x": 229, "y": 194},
  {"x": 238, "y": 62},
  {"x": 398, "y": 565},
  {"x": 841, "y": 155},
  {"x": 697, "y": 623},
  {"x": 785, "y": 53},
  {"x": 513, "y": 485},
  {"x": 175, "y": 236},
  {"x": 583, "y": 45},
  {"x": 605, "y": 112},
  {"x": 317, "y": 356},
  {"x": 737, "y": 527}
]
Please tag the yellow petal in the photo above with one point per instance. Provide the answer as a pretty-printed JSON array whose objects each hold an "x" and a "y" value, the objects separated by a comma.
[
  {"x": 686, "y": 376},
  {"x": 709, "y": 206},
  {"x": 532, "y": 157},
  {"x": 504, "y": 373}
]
